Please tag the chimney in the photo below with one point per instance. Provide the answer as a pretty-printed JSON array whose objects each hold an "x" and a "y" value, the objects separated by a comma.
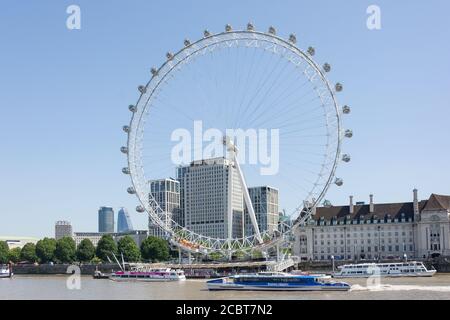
[
  {"x": 371, "y": 210},
  {"x": 351, "y": 208},
  {"x": 415, "y": 202}
]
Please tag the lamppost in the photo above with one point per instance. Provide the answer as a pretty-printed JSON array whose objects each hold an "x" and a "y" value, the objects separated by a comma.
[{"x": 332, "y": 261}]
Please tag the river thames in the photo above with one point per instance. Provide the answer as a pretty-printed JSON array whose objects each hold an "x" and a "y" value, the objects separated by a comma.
[{"x": 55, "y": 287}]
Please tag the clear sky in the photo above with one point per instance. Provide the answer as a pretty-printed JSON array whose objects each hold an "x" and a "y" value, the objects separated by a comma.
[{"x": 64, "y": 96}]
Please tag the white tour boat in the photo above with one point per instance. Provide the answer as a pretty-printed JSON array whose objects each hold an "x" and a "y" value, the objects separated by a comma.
[
  {"x": 5, "y": 272},
  {"x": 148, "y": 275},
  {"x": 395, "y": 269}
]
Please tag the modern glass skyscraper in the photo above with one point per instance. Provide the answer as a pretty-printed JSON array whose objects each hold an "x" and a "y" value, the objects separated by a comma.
[
  {"x": 167, "y": 193},
  {"x": 265, "y": 203},
  {"x": 106, "y": 219},
  {"x": 124, "y": 221}
]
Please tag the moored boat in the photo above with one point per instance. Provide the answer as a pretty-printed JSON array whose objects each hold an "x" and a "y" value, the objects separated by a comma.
[
  {"x": 6, "y": 271},
  {"x": 148, "y": 275},
  {"x": 395, "y": 269},
  {"x": 276, "y": 281}
]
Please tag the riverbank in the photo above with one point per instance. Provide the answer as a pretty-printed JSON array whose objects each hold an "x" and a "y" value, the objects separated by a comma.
[{"x": 441, "y": 265}]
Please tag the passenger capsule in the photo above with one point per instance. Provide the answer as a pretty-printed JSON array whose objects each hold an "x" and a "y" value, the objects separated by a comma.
[
  {"x": 132, "y": 108},
  {"x": 126, "y": 129},
  {"x": 154, "y": 71},
  {"x": 169, "y": 56},
  {"x": 206, "y": 33},
  {"x": 326, "y": 67},
  {"x": 125, "y": 170},
  {"x": 228, "y": 28},
  {"x": 292, "y": 38},
  {"x": 250, "y": 27},
  {"x": 338, "y": 87},
  {"x": 187, "y": 43},
  {"x": 346, "y": 158},
  {"x": 348, "y": 133},
  {"x": 345, "y": 109},
  {"x": 311, "y": 51},
  {"x": 272, "y": 30},
  {"x": 140, "y": 209},
  {"x": 124, "y": 150},
  {"x": 339, "y": 182},
  {"x": 142, "y": 89},
  {"x": 131, "y": 190}
]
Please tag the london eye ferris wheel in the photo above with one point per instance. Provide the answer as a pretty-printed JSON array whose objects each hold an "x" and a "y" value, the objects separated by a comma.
[{"x": 246, "y": 82}]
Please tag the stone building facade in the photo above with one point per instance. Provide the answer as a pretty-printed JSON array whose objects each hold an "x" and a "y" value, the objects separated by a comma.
[{"x": 417, "y": 229}]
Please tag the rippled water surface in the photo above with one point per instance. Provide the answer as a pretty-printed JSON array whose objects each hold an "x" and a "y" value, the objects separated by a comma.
[{"x": 55, "y": 287}]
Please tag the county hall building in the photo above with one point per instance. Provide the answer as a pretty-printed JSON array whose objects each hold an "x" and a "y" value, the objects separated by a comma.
[{"x": 418, "y": 229}]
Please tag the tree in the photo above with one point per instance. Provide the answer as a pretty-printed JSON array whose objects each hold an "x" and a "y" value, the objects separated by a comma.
[
  {"x": 14, "y": 255},
  {"x": 96, "y": 260},
  {"x": 28, "y": 253},
  {"x": 45, "y": 249},
  {"x": 85, "y": 251},
  {"x": 4, "y": 252},
  {"x": 155, "y": 249},
  {"x": 106, "y": 247},
  {"x": 65, "y": 250},
  {"x": 129, "y": 249}
]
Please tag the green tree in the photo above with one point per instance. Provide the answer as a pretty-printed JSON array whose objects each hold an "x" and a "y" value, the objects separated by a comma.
[
  {"x": 155, "y": 249},
  {"x": 28, "y": 253},
  {"x": 45, "y": 249},
  {"x": 129, "y": 249},
  {"x": 105, "y": 247},
  {"x": 14, "y": 255},
  {"x": 85, "y": 251},
  {"x": 4, "y": 252},
  {"x": 65, "y": 250},
  {"x": 96, "y": 260}
]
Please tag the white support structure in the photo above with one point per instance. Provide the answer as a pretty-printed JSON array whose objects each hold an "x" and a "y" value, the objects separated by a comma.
[{"x": 251, "y": 212}]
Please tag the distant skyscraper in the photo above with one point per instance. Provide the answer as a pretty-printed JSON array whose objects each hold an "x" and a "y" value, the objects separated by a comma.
[
  {"x": 265, "y": 203},
  {"x": 63, "y": 229},
  {"x": 106, "y": 219},
  {"x": 124, "y": 221},
  {"x": 166, "y": 193}
]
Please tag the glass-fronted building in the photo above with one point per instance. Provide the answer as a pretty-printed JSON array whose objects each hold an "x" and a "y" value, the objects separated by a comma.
[
  {"x": 166, "y": 192},
  {"x": 106, "y": 219},
  {"x": 124, "y": 221},
  {"x": 265, "y": 203}
]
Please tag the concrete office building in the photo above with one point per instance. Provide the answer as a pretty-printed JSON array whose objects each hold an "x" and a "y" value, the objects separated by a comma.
[
  {"x": 205, "y": 198},
  {"x": 63, "y": 229}
]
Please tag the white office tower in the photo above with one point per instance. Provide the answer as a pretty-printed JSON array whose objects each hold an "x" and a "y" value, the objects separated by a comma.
[
  {"x": 166, "y": 193},
  {"x": 265, "y": 204},
  {"x": 205, "y": 200}
]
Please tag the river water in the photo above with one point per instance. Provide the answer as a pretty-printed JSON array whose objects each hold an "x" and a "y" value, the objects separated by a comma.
[{"x": 65, "y": 287}]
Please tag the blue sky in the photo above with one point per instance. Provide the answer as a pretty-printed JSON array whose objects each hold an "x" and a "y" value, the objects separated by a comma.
[{"x": 64, "y": 96}]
